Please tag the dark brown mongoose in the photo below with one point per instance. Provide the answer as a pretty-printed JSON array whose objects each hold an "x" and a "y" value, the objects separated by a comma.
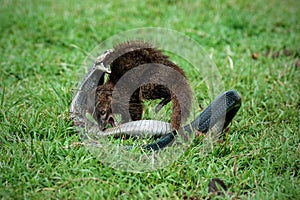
[{"x": 129, "y": 56}]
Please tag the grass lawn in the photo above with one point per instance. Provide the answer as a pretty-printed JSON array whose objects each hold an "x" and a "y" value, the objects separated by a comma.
[{"x": 43, "y": 45}]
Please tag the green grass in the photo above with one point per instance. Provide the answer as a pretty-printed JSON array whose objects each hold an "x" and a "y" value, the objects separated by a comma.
[{"x": 43, "y": 44}]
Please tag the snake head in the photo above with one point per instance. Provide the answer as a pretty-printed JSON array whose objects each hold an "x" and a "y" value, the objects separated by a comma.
[{"x": 99, "y": 63}]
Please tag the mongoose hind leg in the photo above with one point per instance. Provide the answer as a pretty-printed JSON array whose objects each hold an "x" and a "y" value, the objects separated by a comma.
[{"x": 136, "y": 110}]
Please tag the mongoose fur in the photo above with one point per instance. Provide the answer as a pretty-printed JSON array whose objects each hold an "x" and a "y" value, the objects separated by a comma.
[{"x": 128, "y": 56}]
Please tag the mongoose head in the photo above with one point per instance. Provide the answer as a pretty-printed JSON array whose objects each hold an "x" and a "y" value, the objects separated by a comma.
[{"x": 103, "y": 107}]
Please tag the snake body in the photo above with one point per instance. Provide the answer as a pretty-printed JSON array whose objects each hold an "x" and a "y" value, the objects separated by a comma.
[
  {"x": 141, "y": 128},
  {"x": 217, "y": 115}
]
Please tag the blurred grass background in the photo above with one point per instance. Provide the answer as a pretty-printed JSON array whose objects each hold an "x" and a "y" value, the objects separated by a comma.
[{"x": 43, "y": 44}]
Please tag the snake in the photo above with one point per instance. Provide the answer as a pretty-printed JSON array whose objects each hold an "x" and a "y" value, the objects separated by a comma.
[{"x": 217, "y": 115}]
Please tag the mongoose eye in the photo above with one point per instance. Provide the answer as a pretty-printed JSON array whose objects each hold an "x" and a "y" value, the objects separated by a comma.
[{"x": 102, "y": 112}]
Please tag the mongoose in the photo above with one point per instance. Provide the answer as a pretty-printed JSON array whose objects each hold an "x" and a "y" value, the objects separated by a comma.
[{"x": 134, "y": 55}]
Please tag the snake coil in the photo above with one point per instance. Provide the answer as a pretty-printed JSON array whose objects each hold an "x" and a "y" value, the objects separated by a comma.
[{"x": 217, "y": 115}]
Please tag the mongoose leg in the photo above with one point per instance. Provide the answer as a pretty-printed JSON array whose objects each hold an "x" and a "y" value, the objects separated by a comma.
[{"x": 136, "y": 110}]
